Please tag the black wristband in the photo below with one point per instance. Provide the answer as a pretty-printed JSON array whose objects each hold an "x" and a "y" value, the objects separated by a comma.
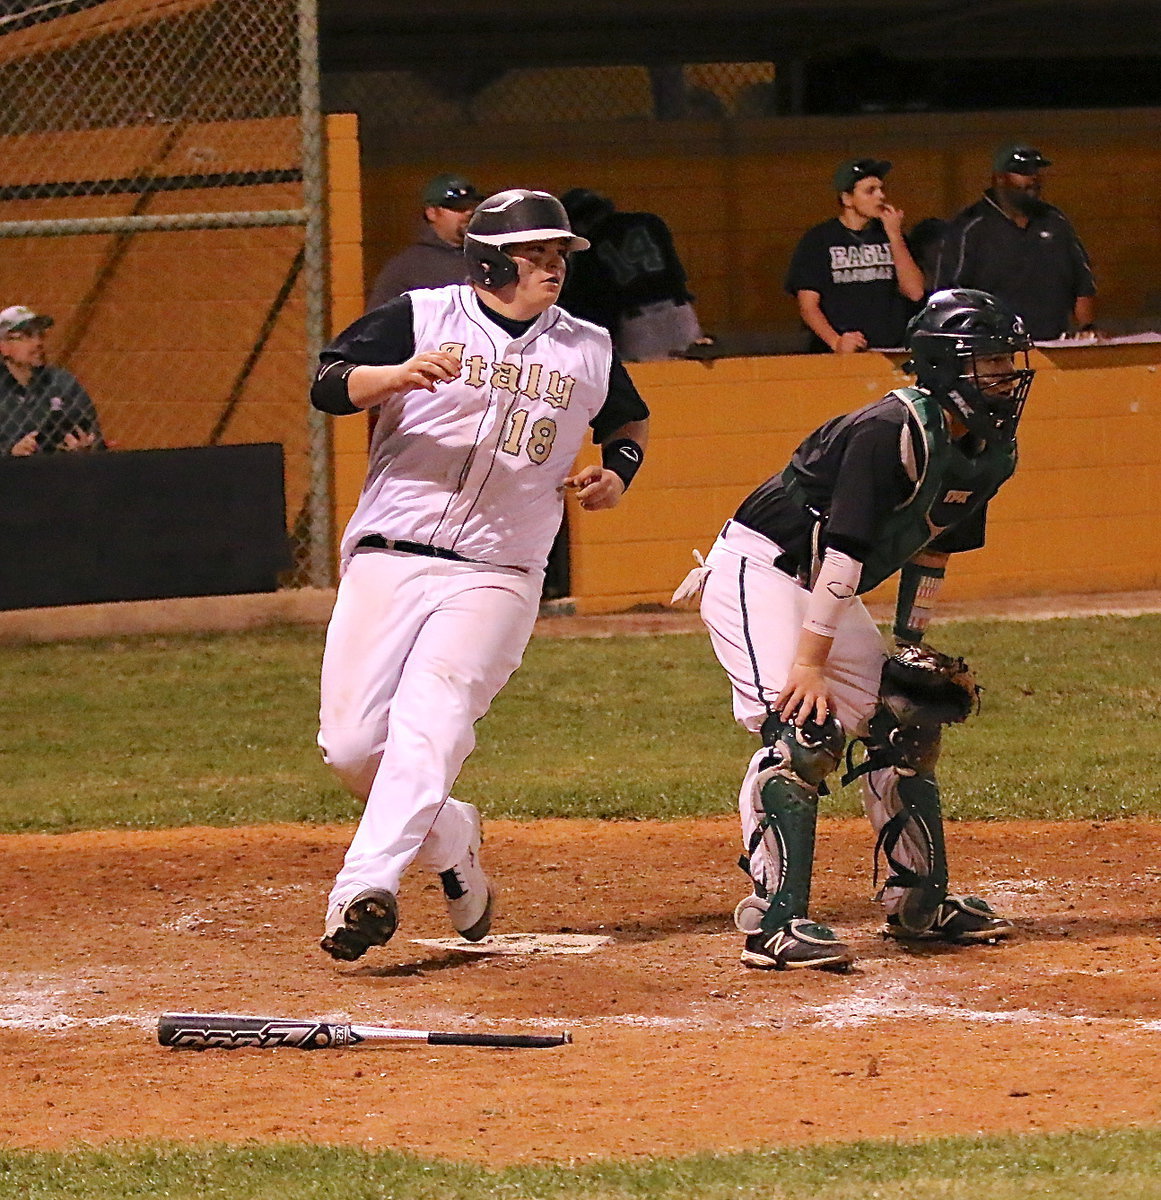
[
  {"x": 623, "y": 457},
  {"x": 329, "y": 391}
]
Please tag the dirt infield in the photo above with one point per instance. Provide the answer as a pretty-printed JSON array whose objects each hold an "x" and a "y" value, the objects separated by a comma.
[{"x": 677, "y": 1047}]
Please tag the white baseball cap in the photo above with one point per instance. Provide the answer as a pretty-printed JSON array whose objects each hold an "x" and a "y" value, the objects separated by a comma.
[{"x": 20, "y": 316}]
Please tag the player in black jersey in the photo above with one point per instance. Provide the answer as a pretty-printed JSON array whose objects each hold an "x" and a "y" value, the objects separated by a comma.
[
  {"x": 895, "y": 486},
  {"x": 631, "y": 282}
]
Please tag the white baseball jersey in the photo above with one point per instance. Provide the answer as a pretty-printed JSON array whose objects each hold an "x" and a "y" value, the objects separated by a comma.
[{"x": 475, "y": 466}]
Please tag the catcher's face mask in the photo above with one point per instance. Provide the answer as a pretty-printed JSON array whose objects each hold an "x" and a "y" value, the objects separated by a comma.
[{"x": 1001, "y": 385}]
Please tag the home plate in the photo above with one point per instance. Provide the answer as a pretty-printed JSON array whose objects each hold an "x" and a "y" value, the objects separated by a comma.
[{"x": 521, "y": 943}]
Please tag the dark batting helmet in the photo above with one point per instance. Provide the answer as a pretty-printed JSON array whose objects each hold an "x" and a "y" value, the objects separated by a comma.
[
  {"x": 958, "y": 327},
  {"x": 505, "y": 219}
]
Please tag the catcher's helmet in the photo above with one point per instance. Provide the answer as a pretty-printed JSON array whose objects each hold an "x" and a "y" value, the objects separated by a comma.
[
  {"x": 517, "y": 215},
  {"x": 956, "y": 328}
]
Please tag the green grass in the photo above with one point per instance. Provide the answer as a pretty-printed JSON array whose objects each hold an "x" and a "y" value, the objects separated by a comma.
[
  {"x": 1116, "y": 1165},
  {"x": 150, "y": 732}
]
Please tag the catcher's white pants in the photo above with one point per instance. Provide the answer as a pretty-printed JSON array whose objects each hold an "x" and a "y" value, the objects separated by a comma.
[
  {"x": 416, "y": 650},
  {"x": 754, "y": 613}
]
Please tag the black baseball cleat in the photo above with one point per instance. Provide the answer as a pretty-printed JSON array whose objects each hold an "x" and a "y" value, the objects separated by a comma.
[
  {"x": 797, "y": 944},
  {"x": 959, "y": 921},
  {"x": 367, "y": 920}
]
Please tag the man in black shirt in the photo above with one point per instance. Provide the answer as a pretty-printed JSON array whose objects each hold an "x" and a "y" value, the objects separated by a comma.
[
  {"x": 1022, "y": 250},
  {"x": 896, "y": 486},
  {"x": 43, "y": 408},
  {"x": 853, "y": 276}
]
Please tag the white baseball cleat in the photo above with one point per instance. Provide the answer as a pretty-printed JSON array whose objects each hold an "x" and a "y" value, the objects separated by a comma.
[{"x": 468, "y": 891}]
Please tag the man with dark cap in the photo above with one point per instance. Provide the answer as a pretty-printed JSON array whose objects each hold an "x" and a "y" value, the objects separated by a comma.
[
  {"x": 437, "y": 256},
  {"x": 853, "y": 276},
  {"x": 1026, "y": 252}
]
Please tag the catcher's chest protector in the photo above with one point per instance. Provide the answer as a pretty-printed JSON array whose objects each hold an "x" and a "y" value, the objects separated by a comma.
[{"x": 949, "y": 486}]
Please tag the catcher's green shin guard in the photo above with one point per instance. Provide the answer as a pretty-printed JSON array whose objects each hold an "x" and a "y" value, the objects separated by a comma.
[
  {"x": 800, "y": 760},
  {"x": 791, "y": 812}
]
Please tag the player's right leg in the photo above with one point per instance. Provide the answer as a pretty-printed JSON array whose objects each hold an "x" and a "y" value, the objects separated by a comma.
[
  {"x": 779, "y": 806},
  {"x": 378, "y": 612},
  {"x": 754, "y": 613}
]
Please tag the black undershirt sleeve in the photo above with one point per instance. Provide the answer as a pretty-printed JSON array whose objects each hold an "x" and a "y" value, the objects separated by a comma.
[
  {"x": 870, "y": 484},
  {"x": 964, "y": 535},
  {"x": 384, "y": 336},
  {"x": 622, "y": 404}
]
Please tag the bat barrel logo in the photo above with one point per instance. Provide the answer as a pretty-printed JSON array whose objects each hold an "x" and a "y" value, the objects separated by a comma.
[{"x": 227, "y": 1033}]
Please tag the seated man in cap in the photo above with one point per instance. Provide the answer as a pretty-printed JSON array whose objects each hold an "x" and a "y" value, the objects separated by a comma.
[
  {"x": 853, "y": 276},
  {"x": 1026, "y": 252},
  {"x": 436, "y": 258},
  {"x": 42, "y": 408}
]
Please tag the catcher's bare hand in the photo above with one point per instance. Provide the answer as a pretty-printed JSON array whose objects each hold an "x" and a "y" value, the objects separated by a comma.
[
  {"x": 804, "y": 697},
  {"x": 595, "y": 487}
]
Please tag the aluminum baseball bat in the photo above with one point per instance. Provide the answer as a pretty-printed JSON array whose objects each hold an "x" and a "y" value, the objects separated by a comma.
[{"x": 226, "y": 1031}]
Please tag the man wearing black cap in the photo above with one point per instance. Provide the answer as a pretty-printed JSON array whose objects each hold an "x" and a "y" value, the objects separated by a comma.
[
  {"x": 853, "y": 276},
  {"x": 1026, "y": 252},
  {"x": 437, "y": 256}
]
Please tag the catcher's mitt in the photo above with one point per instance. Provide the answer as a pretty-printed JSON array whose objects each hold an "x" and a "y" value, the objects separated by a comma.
[{"x": 934, "y": 687}]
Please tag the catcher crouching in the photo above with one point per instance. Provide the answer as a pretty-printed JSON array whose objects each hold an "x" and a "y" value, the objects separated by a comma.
[{"x": 896, "y": 486}]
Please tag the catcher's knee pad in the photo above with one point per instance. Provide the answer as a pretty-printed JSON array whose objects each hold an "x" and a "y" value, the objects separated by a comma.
[
  {"x": 809, "y": 752},
  {"x": 788, "y": 782},
  {"x": 900, "y": 766}
]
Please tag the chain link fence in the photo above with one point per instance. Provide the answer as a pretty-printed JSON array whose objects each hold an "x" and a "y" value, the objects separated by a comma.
[
  {"x": 160, "y": 201},
  {"x": 388, "y": 100}
]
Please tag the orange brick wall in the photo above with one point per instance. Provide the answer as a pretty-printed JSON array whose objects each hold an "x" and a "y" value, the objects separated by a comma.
[
  {"x": 345, "y": 230},
  {"x": 1082, "y": 514},
  {"x": 180, "y": 311},
  {"x": 738, "y": 195}
]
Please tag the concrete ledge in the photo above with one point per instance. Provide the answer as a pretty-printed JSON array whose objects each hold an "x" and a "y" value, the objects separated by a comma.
[
  {"x": 195, "y": 614},
  {"x": 312, "y": 606}
]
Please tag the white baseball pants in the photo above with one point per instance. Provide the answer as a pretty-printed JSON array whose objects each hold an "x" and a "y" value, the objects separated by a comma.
[
  {"x": 416, "y": 650},
  {"x": 754, "y": 613}
]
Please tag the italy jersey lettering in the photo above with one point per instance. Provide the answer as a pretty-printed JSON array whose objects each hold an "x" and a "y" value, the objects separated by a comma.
[{"x": 476, "y": 465}]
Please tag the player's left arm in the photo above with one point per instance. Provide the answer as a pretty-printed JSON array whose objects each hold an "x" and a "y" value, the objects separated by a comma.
[
  {"x": 919, "y": 582},
  {"x": 622, "y": 454},
  {"x": 621, "y": 429},
  {"x": 1084, "y": 307},
  {"x": 1084, "y": 316},
  {"x": 86, "y": 433}
]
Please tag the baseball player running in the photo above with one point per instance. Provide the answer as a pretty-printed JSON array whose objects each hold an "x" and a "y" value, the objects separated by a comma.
[
  {"x": 486, "y": 391},
  {"x": 895, "y": 486}
]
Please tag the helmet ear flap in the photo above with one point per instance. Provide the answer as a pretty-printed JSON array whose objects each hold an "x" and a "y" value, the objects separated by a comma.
[{"x": 488, "y": 265}]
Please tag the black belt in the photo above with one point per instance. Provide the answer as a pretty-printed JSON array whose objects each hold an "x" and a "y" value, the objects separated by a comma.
[
  {"x": 376, "y": 541},
  {"x": 784, "y": 562}
]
